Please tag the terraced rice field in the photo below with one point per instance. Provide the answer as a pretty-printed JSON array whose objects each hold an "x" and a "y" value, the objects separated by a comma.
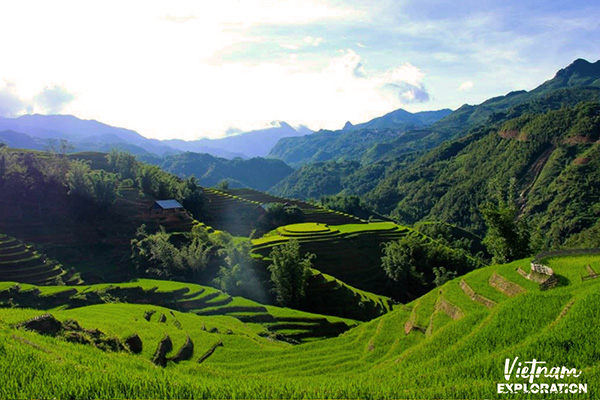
[
  {"x": 230, "y": 213},
  {"x": 350, "y": 252},
  {"x": 184, "y": 297},
  {"x": 21, "y": 263},
  {"x": 312, "y": 213},
  {"x": 100, "y": 249},
  {"x": 456, "y": 350}
]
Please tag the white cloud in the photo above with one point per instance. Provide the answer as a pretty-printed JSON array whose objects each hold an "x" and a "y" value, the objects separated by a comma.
[
  {"x": 53, "y": 100},
  {"x": 308, "y": 41},
  {"x": 313, "y": 41},
  {"x": 11, "y": 103},
  {"x": 406, "y": 83},
  {"x": 465, "y": 86},
  {"x": 290, "y": 46}
]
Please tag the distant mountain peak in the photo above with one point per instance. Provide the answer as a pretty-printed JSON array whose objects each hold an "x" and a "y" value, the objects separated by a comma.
[
  {"x": 347, "y": 125},
  {"x": 581, "y": 67},
  {"x": 279, "y": 124}
]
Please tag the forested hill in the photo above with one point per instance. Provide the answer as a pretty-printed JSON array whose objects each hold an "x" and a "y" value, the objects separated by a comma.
[
  {"x": 353, "y": 141},
  {"x": 553, "y": 158},
  {"x": 257, "y": 173},
  {"x": 386, "y": 138}
]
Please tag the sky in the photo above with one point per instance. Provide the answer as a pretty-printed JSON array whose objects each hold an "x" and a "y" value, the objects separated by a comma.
[{"x": 188, "y": 69}]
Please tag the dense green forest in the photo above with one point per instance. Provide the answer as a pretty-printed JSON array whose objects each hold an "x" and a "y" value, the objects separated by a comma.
[{"x": 257, "y": 173}]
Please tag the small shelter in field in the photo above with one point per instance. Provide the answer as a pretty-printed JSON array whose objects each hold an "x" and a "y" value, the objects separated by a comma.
[
  {"x": 170, "y": 206},
  {"x": 262, "y": 208}
]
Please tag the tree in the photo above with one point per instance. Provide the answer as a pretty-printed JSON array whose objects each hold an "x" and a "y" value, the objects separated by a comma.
[
  {"x": 415, "y": 264},
  {"x": 122, "y": 163},
  {"x": 442, "y": 275},
  {"x": 158, "y": 255},
  {"x": 507, "y": 237},
  {"x": 99, "y": 186},
  {"x": 191, "y": 195},
  {"x": 64, "y": 146},
  {"x": 223, "y": 184},
  {"x": 104, "y": 188},
  {"x": 289, "y": 273},
  {"x": 237, "y": 276},
  {"x": 77, "y": 179},
  {"x": 402, "y": 261},
  {"x": 278, "y": 214}
]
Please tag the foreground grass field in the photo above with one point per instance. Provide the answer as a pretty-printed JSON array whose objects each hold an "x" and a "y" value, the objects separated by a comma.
[{"x": 446, "y": 344}]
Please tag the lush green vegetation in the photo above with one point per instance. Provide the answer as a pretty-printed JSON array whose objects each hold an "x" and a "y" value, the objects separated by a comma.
[
  {"x": 460, "y": 353},
  {"x": 409, "y": 265},
  {"x": 362, "y": 141},
  {"x": 415, "y": 265},
  {"x": 553, "y": 172},
  {"x": 82, "y": 210},
  {"x": 258, "y": 173}
]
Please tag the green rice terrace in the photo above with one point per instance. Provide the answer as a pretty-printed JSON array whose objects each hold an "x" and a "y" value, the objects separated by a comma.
[
  {"x": 154, "y": 339},
  {"x": 20, "y": 262},
  {"x": 236, "y": 210},
  {"x": 350, "y": 252}
]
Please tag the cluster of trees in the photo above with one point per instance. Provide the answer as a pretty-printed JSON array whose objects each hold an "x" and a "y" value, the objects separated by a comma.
[
  {"x": 508, "y": 236},
  {"x": 348, "y": 204},
  {"x": 225, "y": 261},
  {"x": 415, "y": 265},
  {"x": 201, "y": 257},
  {"x": 96, "y": 186},
  {"x": 166, "y": 256},
  {"x": 278, "y": 214},
  {"x": 26, "y": 175},
  {"x": 238, "y": 274},
  {"x": 155, "y": 182}
]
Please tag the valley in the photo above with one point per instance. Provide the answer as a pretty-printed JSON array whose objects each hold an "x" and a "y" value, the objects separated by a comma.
[{"x": 409, "y": 256}]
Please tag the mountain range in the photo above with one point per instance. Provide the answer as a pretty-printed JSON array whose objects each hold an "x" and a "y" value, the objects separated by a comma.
[
  {"x": 257, "y": 143},
  {"x": 399, "y": 132},
  {"x": 354, "y": 142},
  {"x": 37, "y": 131}
]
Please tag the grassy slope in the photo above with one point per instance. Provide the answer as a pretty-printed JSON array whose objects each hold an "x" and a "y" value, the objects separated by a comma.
[
  {"x": 452, "y": 359},
  {"x": 185, "y": 297}
]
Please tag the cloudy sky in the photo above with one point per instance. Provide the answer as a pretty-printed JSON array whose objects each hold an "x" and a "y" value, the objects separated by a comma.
[{"x": 190, "y": 69}]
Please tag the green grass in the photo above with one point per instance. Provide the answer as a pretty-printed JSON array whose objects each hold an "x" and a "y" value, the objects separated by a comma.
[
  {"x": 460, "y": 358},
  {"x": 195, "y": 299}
]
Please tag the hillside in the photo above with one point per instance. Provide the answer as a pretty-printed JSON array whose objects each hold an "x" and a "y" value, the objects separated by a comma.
[
  {"x": 451, "y": 343},
  {"x": 96, "y": 218},
  {"x": 84, "y": 223},
  {"x": 553, "y": 157},
  {"x": 257, "y": 173},
  {"x": 351, "y": 142},
  {"x": 385, "y": 139}
]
